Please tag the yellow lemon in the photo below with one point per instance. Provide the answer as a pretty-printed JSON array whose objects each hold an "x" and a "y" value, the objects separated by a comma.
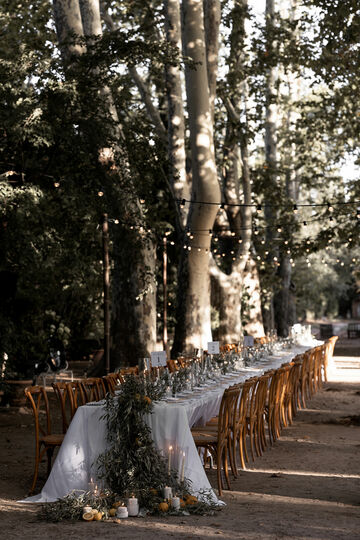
[
  {"x": 116, "y": 504},
  {"x": 98, "y": 516},
  {"x": 88, "y": 516},
  {"x": 112, "y": 512}
]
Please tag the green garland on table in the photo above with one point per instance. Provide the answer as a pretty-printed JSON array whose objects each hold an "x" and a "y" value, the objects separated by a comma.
[{"x": 131, "y": 465}]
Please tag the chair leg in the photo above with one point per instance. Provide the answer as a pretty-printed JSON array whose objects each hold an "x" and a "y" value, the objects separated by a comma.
[
  {"x": 225, "y": 464},
  {"x": 232, "y": 454},
  {"x": 242, "y": 450},
  {"x": 36, "y": 471},
  {"x": 49, "y": 453}
]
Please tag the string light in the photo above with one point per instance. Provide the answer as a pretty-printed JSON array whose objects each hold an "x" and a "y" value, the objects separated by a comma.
[
  {"x": 182, "y": 203},
  {"x": 330, "y": 207},
  {"x": 56, "y": 184},
  {"x": 258, "y": 208},
  {"x": 295, "y": 209},
  {"x": 100, "y": 193}
]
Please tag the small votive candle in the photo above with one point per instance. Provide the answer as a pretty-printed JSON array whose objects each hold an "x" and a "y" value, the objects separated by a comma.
[
  {"x": 167, "y": 492},
  {"x": 122, "y": 512},
  {"x": 175, "y": 503},
  {"x": 132, "y": 506}
]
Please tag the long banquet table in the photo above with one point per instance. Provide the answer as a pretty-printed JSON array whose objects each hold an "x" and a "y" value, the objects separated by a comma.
[{"x": 170, "y": 423}]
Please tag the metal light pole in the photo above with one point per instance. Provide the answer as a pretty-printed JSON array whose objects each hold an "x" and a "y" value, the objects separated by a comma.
[
  {"x": 165, "y": 336},
  {"x": 106, "y": 282}
]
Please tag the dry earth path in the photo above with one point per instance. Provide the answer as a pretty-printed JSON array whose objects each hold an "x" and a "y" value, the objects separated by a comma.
[{"x": 307, "y": 486}]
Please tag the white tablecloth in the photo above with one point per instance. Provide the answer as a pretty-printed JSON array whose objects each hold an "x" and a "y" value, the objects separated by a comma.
[{"x": 170, "y": 424}]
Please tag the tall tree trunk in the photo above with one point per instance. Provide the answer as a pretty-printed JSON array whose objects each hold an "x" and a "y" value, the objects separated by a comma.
[
  {"x": 270, "y": 155},
  {"x": 176, "y": 123},
  {"x": 138, "y": 308},
  {"x": 194, "y": 330},
  {"x": 228, "y": 288},
  {"x": 212, "y": 19},
  {"x": 284, "y": 300}
]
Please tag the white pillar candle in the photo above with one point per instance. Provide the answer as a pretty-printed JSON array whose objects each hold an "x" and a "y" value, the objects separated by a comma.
[
  {"x": 167, "y": 492},
  {"x": 169, "y": 460},
  {"x": 182, "y": 474},
  {"x": 132, "y": 506},
  {"x": 122, "y": 512},
  {"x": 175, "y": 503}
]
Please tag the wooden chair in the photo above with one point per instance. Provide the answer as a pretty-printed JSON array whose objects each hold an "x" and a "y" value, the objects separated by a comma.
[
  {"x": 328, "y": 353},
  {"x": 240, "y": 428},
  {"x": 256, "y": 415},
  {"x": 77, "y": 395},
  {"x": 64, "y": 396},
  {"x": 94, "y": 388},
  {"x": 129, "y": 371},
  {"x": 172, "y": 366},
  {"x": 45, "y": 441},
  {"x": 275, "y": 403},
  {"x": 112, "y": 381},
  {"x": 217, "y": 441}
]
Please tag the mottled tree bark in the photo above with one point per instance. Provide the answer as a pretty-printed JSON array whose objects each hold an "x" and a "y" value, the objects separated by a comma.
[
  {"x": 179, "y": 180},
  {"x": 271, "y": 159},
  {"x": 195, "y": 330},
  {"x": 137, "y": 309}
]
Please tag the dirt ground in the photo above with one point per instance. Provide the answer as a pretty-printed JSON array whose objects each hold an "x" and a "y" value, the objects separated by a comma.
[{"x": 306, "y": 486}]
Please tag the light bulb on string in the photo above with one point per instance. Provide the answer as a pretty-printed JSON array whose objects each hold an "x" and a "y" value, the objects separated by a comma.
[
  {"x": 330, "y": 207},
  {"x": 100, "y": 193},
  {"x": 304, "y": 223},
  {"x": 210, "y": 232},
  {"x": 182, "y": 204},
  {"x": 295, "y": 209},
  {"x": 258, "y": 208},
  {"x": 56, "y": 184},
  {"x": 279, "y": 229}
]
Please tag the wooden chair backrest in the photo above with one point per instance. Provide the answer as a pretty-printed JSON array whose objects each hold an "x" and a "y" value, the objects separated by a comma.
[
  {"x": 227, "y": 413},
  {"x": 39, "y": 403},
  {"x": 64, "y": 397},
  {"x": 77, "y": 395}
]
